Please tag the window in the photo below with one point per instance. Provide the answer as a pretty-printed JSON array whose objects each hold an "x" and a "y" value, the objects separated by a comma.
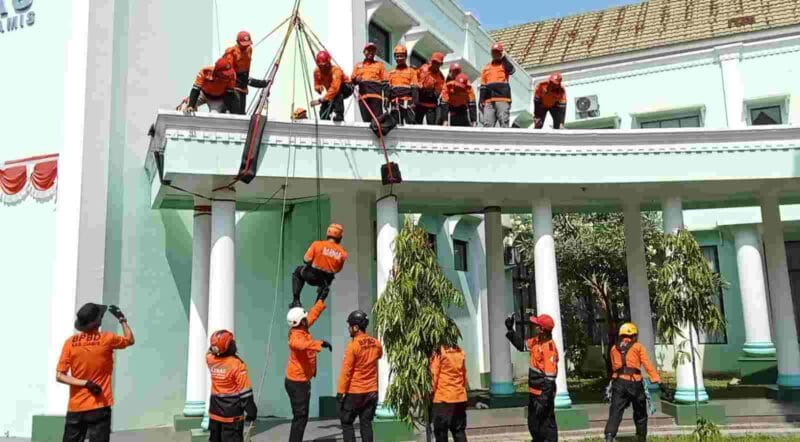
[
  {"x": 676, "y": 122},
  {"x": 510, "y": 255},
  {"x": 416, "y": 60},
  {"x": 793, "y": 261},
  {"x": 460, "y": 255},
  {"x": 766, "y": 115},
  {"x": 432, "y": 242},
  {"x": 720, "y": 337},
  {"x": 381, "y": 38}
]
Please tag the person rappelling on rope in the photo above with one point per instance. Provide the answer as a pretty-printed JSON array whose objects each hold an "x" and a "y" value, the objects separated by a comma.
[
  {"x": 216, "y": 86},
  {"x": 369, "y": 76},
  {"x": 323, "y": 260},
  {"x": 431, "y": 83},
  {"x": 334, "y": 83},
  {"x": 403, "y": 87},
  {"x": 458, "y": 102},
  {"x": 231, "y": 405},
  {"x": 627, "y": 386},
  {"x": 302, "y": 364},
  {"x": 240, "y": 56}
]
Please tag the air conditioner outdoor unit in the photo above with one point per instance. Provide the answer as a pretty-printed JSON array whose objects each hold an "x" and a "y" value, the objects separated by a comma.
[{"x": 587, "y": 107}]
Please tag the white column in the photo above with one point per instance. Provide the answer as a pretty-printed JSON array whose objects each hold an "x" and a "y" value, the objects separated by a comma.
[
  {"x": 388, "y": 226},
  {"x": 788, "y": 352},
  {"x": 639, "y": 294},
  {"x": 672, "y": 213},
  {"x": 732, "y": 84},
  {"x": 502, "y": 377},
  {"x": 758, "y": 341},
  {"x": 546, "y": 278},
  {"x": 196, "y": 370}
]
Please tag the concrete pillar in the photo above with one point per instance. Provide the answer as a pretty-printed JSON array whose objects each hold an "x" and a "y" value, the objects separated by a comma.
[
  {"x": 732, "y": 84},
  {"x": 672, "y": 213},
  {"x": 546, "y": 279},
  {"x": 758, "y": 341},
  {"x": 502, "y": 377},
  {"x": 196, "y": 370},
  {"x": 788, "y": 352},
  {"x": 388, "y": 226},
  {"x": 639, "y": 293}
]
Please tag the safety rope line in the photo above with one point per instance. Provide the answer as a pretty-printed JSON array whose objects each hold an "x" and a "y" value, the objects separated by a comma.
[{"x": 274, "y": 30}]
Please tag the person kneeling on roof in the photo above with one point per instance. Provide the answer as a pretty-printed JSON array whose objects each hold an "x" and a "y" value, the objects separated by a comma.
[
  {"x": 458, "y": 102},
  {"x": 550, "y": 96},
  {"x": 323, "y": 260},
  {"x": 240, "y": 56},
  {"x": 231, "y": 404},
  {"x": 333, "y": 81},
  {"x": 216, "y": 85}
]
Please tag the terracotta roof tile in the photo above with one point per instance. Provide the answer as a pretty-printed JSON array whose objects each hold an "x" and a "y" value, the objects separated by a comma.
[{"x": 645, "y": 25}]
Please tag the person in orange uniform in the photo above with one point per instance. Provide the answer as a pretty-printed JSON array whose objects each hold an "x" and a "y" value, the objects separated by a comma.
[
  {"x": 550, "y": 96},
  {"x": 370, "y": 77},
  {"x": 231, "y": 404},
  {"x": 431, "y": 83},
  {"x": 216, "y": 85},
  {"x": 403, "y": 86},
  {"x": 333, "y": 81},
  {"x": 323, "y": 260},
  {"x": 627, "y": 388},
  {"x": 357, "y": 393},
  {"x": 458, "y": 102},
  {"x": 86, "y": 365},
  {"x": 240, "y": 56},
  {"x": 302, "y": 364},
  {"x": 495, "y": 95},
  {"x": 449, "y": 380},
  {"x": 541, "y": 376},
  {"x": 453, "y": 72}
]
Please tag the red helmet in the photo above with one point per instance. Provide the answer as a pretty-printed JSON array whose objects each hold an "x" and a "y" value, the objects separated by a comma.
[
  {"x": 462, "y": 80},
  {"x": 323, "y": 58},
  {"x": 497, "y": 47},
  {"x": 555, "y": 78},
  {"x": 455, "y": 69},
  {"x": 335, "y": 231},
  {"x": 221, "y": 342},
  {"x": 544, "y": 321},
  {"x": 223, "y": 68},
  {"x": 243, "y": 38},
  {"x": 400, "y": 49},
  {"x": 437, "y": 57}
]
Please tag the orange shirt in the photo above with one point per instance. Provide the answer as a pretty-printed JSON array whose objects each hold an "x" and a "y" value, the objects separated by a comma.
[
  {"x": 212, "y": 85},
  {"x": 360, "y": 365},
  {"x": 230, "y": 384},
  {"x": 239, "y": 57},
  {"x": 455, "y": 95},
  {"x": 330, "y": 81},
  {"x": 303, "y": 349},
  {"x": 431, "y": 83},
  {"x": 544, "y": 358},
  {"x": 326, "y": 256},
  {"x": 634, "y": 358},
  {"x": 449, "y": 374},
  {"x": 494, "y": 72},
  {"x": 90, "y": 356},
  {"x": 550, "y": 95},
  {"x": 401, "y": 80},
  {"x": 369, "y": 75}
]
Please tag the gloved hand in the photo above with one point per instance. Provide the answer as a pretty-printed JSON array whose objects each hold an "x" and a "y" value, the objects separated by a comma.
[
  {"x": 248, "y": 419},
  {"x": 510, "y": 322},
  {"x": 326, "y": 344},
  {"x": 114, "y": 310},
  {"x": 93, "y": 388}
]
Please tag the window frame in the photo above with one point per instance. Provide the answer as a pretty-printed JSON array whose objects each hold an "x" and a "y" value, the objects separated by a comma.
[
  {"x": 387, "y": 46},
  {"x": 677, "y": 117},
  {"x": 781, "y": 101},
  {"x": 456, "y": 244},
  {"x": 639, "y": 118}
]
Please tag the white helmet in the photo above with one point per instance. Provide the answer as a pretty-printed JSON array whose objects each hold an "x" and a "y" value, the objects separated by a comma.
[{"x": 295, "y": 316}]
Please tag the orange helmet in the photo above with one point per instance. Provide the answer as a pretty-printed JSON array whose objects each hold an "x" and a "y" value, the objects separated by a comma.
[
  {"x": 335, "y": 231},
  {"x": 555, "y": 78},
  {"x": 400, "y": 49},
  {"x": 221, "y": 342},
  {"x": 243, "y": 38},
  {"x": 497, "y": 47},
  {"x": 455, "y": 69},
  {"x": 462, "y": 80},
  {"x": 438, "y": 57}
]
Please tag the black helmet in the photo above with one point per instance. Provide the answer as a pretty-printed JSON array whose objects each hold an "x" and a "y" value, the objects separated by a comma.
[{"x": 359, "y": 319}]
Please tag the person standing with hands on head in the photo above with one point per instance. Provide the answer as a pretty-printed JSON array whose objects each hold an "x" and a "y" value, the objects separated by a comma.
[
  {"x": 495, "y": 92},
  {"x": 370, "y": 77},
  {"x": 323, "y": 260},
  {"x": 431, "y": 83},
  {"x": 357, "y": 393},
  {"x": 333, "y": 81},
  {"x": 627, "y": 385},
  {"x": 302, "y": 364},
  {"x": 550, "y": 96},
  {"x": 240, "y": 55},
  {"x": 449, "y": 380},
  {"x": 232, "y": 404},
  {"x": 87, "y": 365},
  {"x": 542, "y": 374}
]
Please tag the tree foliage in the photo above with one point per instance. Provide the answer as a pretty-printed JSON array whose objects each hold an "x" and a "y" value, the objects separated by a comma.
[{"x": 411, "y": 318}]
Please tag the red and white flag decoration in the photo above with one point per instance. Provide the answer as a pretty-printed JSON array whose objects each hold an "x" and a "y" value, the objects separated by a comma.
[{"x": 34, "y": 176}]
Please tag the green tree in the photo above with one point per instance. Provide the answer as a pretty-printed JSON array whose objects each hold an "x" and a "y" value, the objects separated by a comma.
[{"x": 411, "y": 318}]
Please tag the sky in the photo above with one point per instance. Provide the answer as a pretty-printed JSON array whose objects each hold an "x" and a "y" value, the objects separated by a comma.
[{"x": 494, "y": 14}]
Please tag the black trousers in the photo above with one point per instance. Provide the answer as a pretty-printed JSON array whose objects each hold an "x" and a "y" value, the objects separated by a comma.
[
  {"x": 449, "y": 417},
  {"x": 334, "y": 108},
  {"x": 404, "y": 114},
  {"x": 300, "y": 397},
  {"x": 306, "y": 274},
  {"x": 225, "y": 432},
  {"x": 624, "y": 393},
  {"x": 459, "y": 116},
  {"x": 375, "y": 104},
  {"x": 426, "y": 114},
  {"x": 542, "y": 418},
  {"x": 94, "y": 424},
  {"x": 540, "y": 113},
  {"x": 362, "y": 406},
  {"x": 241, "y": 105}
]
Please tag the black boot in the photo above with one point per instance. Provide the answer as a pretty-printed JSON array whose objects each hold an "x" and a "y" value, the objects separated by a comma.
[
  {"x": 609, "y": 438},
  {"x": 295, "y": 303},
  {"x": 641, "y": 438}
]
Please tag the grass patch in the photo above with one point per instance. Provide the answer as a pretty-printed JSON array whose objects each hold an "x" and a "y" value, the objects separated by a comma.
[{"x": 689, "y": 438}]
